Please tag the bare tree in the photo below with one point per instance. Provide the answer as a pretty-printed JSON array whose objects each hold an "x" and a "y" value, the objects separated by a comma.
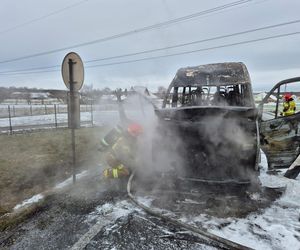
[{"x": 161, "y": 91}]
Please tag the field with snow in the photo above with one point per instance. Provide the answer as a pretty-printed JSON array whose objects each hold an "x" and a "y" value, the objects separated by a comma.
[
  {"x": 30, "y": 117},
  {"x": 44, "y": 121}
]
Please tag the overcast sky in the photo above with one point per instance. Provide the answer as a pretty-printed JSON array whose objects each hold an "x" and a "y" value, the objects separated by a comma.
[{"x": 29, "y": 27}]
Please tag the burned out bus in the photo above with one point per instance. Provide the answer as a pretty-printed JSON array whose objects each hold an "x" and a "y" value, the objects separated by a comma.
[{"x": 209, "y": 124}]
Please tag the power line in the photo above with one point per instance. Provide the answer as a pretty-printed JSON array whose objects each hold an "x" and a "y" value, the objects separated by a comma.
[
  {"x": 198, "y": 50},
  {"x": 31, "y": 69},
  {"x": 169, "y": 47},
  {"x": 174, "y": 54},
  {"x": 196, "y": 42},
  {"x": 42, "y": 17},
  {"x": 135, "y": 31}
]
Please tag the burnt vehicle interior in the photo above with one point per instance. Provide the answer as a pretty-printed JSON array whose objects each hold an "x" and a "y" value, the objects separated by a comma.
[
  {"x": 227, "y": 95},
  {"x": 210, "y": 120},
  {"x": 279, "y": 134}
]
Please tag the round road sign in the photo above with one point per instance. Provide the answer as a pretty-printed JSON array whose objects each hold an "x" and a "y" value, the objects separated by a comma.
[{"x": 77, "y": 70}]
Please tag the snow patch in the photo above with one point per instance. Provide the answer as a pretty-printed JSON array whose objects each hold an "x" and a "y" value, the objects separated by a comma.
[
  {"x": 147, "y": 201},
  {"x": 33, "y": 199},
  {"x": 276, "y": 228},
  {"x": 36, "y": 198},
  {"x": 70, "y": 180},
  {"x": 117, "y": 210}
]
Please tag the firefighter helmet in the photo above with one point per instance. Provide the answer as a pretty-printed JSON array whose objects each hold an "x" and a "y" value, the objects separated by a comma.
[
  {"x": 287, "y": 96},
  {"x": 135, "y": 129}
]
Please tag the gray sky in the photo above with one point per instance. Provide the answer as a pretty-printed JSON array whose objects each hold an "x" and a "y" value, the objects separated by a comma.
[{"x": 268, "y": 61}]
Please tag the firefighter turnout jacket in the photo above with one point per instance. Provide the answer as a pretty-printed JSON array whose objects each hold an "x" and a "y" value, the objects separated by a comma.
[
  {"x": 289, "y": 107},
  {"x": 121, "y": 157}
]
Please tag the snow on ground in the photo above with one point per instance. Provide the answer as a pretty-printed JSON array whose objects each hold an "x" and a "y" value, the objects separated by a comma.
[
  {"x": 100, "y": 118},
  {"x": 33, "y": 199},
  {"x": 117, "y": 210},
  {"x": 32, "y": 120},
  {"x": 147, "y": 201},
  {"x": 36, "y": 198},
  {"x": 70, "y": 180},
  {"x": 277, "y": 227},
  {"x": 41, "y": 119}
]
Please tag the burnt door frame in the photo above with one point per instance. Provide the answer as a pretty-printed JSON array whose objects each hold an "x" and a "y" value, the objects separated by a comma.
[{"x": 279, "y": 136}]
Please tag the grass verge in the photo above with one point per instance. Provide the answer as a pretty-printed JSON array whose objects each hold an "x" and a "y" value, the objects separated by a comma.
[{"x": 33, "y": 162}]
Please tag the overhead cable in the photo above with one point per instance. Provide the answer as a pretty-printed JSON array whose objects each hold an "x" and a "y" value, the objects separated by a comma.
[
  {"x": 199, "y": 50},
  {"x": 196, "y": 42},
  {"x": 132, "y": 32},
  {"x": 171, "y": 55},
  {"x": 42, "y": 17},
  {"x": 165, "y": 48}
]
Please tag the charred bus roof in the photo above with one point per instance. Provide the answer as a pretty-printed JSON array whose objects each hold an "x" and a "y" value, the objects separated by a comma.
[
  {"x": 218, "y": 74},
  {"x": 219, "y": 84}
]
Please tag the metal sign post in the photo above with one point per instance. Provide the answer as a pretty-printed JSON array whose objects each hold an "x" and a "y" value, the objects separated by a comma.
[
  {"x": 73, "y": 75},
  {"x": 71, "y": 82}
]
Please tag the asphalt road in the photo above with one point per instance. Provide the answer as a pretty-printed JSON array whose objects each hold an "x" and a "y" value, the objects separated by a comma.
[{"x": 87, "y": 216}]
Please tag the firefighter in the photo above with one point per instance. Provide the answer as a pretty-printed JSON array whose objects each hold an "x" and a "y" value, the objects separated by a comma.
[
  {"x": 289, "y": 105},
  {"x": 121, "y": 152}
]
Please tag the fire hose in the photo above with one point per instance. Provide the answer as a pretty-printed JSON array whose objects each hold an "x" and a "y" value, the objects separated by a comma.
[{"x": 210, "y": 238}]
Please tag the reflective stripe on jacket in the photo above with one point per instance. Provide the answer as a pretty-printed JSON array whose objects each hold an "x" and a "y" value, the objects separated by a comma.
[{"x": 116, "y": 172}]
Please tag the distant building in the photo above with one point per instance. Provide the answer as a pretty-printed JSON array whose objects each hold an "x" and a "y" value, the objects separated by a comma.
[
  {"x": 32, "y": 98},
  {"x": 258, "y": 97}
]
